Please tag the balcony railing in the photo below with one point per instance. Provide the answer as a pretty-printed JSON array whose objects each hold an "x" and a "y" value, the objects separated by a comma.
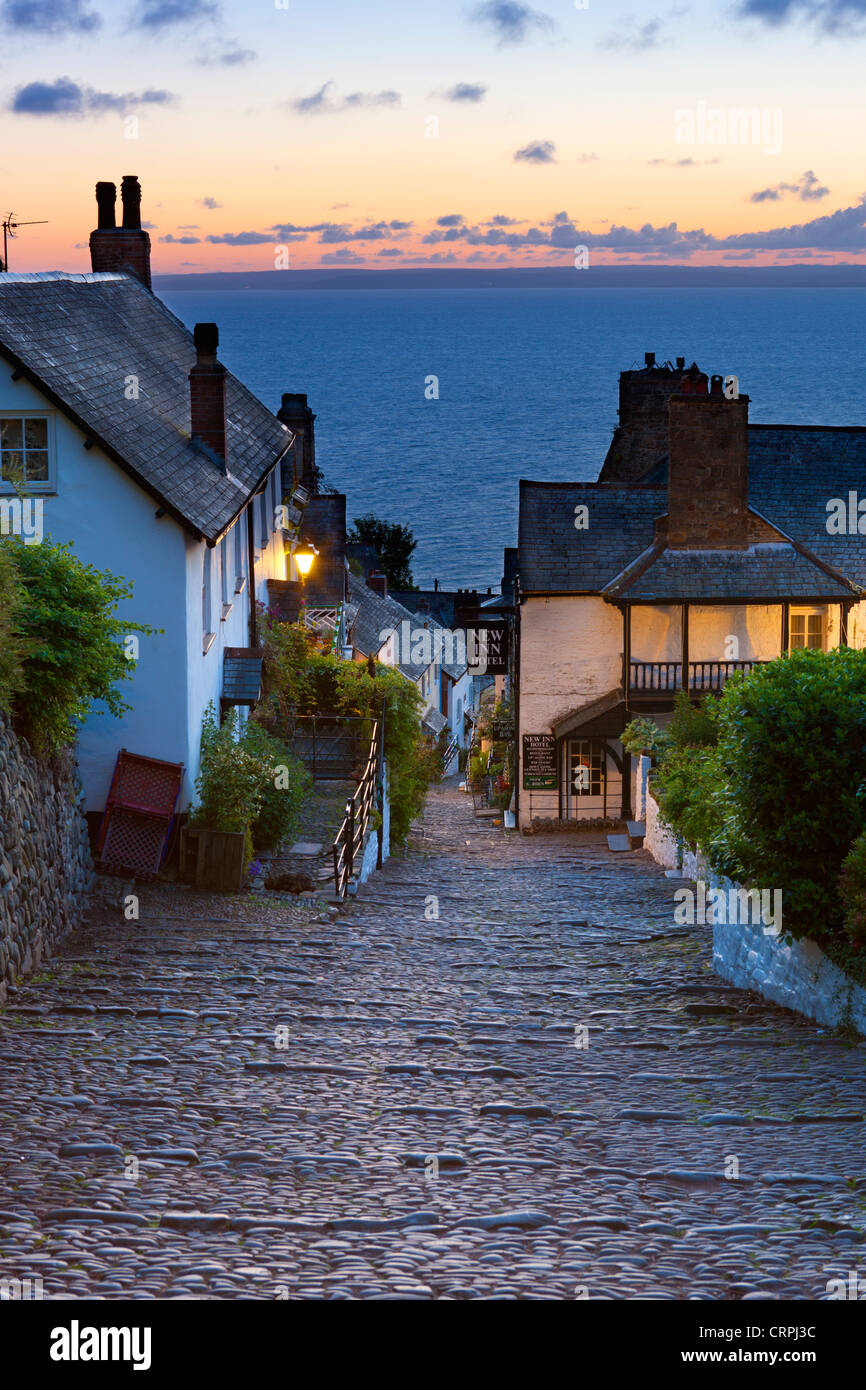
[{"x": 661, "y": 677}]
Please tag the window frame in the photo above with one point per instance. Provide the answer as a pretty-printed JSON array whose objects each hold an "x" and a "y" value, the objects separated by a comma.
[
  {"x": 38, "y": 487},
  {"x": 807, "y": 611}
]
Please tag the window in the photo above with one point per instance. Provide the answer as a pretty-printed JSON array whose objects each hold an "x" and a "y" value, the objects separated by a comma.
[
  {"x": 266, "y": 530},
  {"x": 807, "y": 629},
  {"x": 240, "y": 577},
  {"x": 585, "y": 768},
  {"x": 226, "y": 606},
  {"x": 206, "y": 600},
  {"x": 26, "y": 453}
]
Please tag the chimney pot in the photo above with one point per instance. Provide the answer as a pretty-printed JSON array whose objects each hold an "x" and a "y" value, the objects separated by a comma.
[
  {"x": 106, "y": 197},
  {"x": 681, "y": 364},
  {"x": 120, "y": 250},
  {"x": 649, "y": 358},
  {"x": 130, "y": 195},
  {"x": 716, "y": 386},
  {"x": 206, "y": 337}
]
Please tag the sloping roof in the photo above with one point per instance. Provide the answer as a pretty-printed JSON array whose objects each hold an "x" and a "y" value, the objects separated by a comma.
[
  {"x": 794, "y": 471},
  {"x": 557, "y": 558},
  {"x": 375, "y": 615},
  {"x": 770, "y": 572},
  {"x": 79, "y": 337}
]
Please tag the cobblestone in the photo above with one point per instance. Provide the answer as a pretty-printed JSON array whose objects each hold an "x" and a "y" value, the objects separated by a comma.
[{"x": 542, "y": 1093}]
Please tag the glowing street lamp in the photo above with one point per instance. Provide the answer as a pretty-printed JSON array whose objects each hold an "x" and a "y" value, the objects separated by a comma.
[{"x": 304, "y": 557}]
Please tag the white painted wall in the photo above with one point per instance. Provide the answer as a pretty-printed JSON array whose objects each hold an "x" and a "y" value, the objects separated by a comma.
[
  {"x": 570, "y": 654},
  {"x": 113, "y": 525}
]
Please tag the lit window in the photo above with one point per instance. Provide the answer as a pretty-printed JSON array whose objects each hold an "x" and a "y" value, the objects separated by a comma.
[
  {"x": 585, "y": 769},
  {"x": 807, "y": 629},
  {"x": 25, "y": 453}
]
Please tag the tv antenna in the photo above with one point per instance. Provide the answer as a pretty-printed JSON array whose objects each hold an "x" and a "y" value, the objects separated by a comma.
[{"x": 10, "y": 227}]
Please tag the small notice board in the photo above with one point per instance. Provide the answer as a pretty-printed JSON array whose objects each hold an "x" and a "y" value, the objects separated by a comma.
[{"x": 539, "y": 762}]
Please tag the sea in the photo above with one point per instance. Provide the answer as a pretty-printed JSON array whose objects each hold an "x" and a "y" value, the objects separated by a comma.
[{"x": 431, "y": 404}]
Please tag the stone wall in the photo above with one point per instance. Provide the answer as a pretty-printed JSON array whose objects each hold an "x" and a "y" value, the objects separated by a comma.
[
  {"x": 796, "y": 974},
  {"x": 46, "y": 871}
]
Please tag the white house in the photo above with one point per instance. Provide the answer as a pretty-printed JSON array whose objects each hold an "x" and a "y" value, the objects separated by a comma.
[
  {"x": 158, "y": 465},
  {"x": 427, "y": 654},
  {"x": 707, "y": 545}
]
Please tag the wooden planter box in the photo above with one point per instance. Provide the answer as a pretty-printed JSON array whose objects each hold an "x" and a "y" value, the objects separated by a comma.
[{"x": 212, "y": 858}]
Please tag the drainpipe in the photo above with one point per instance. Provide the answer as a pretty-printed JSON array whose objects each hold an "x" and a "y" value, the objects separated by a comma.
[{"x": 251, "y": 550}]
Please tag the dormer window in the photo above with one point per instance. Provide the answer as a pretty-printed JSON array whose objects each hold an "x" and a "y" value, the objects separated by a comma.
[{"x": 26, "y": 453}]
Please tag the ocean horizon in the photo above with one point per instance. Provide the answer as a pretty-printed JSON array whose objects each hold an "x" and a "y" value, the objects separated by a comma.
[{"x": 527, "y": 383}]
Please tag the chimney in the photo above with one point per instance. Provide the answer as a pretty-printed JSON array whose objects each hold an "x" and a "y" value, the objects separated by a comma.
[
  {"x": 379, "y": 584},
  {"x": 708, "y": 482},
  {"x": 207, "y": 390},
  {"x": 300, "y": 462},
  {"x": 640, "y": 440},
  {"x": 123, "y": 250}
]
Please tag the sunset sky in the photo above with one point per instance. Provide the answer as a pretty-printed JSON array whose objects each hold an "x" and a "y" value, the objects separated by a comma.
[{"x": 399, "y": 132}]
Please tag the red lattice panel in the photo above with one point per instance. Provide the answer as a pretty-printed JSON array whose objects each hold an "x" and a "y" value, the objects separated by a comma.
[
  {"x": 133, "y": 841},
  {"x": 139, "y": 812}
]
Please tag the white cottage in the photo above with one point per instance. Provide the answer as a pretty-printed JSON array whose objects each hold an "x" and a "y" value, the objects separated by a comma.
[
  {"x": 707, "y": 545},
  {"x": 159, "y": 465}
]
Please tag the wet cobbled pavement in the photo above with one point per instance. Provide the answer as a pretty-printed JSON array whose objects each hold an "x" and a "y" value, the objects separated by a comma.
[{"x": 541, "y": 1093}]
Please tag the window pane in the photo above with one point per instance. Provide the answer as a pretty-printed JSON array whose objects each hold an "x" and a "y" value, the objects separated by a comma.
[
  {"x": 35, "y": 434},
  {"x": 37, "y": 465},
  {"x": 798, "y": 623},
  {"x": 10, "y": 434},
  {"x": 12, "y": 467}
]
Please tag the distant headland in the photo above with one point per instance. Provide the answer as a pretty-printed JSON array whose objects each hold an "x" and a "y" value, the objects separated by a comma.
[{"x": 665, "y": 277}]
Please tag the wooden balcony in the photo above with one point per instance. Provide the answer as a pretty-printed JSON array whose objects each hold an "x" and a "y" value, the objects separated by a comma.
[{"x": 661, "y": 679}]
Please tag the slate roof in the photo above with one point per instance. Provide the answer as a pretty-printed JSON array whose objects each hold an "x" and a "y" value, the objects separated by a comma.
[
  {"x": 794, "y": 471},
  {"x": 374, "y": 615},
  {"x": 770, "y": 572},
  {"x": 556, "y": 558},
  {"x": 78, "y": 337}
]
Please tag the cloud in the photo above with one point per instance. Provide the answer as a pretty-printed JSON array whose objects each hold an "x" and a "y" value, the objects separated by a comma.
[
  {"x": 841, "y": 231},
  {"x": 240, "y": 239},
  {"x": 322, "y": 101},
  {"x": 686, "y": 163},
  {"x": 209, "y": 203},
  {"x": 63, "y": 97},
  {"x": 634, "y": 38},
  {"x": 511, "y": 21},
  {"x": 390, "y": 251},
  {"x": 830, "y": 16},
  {"x": 451, "y": 219},
  {"x": 181, "y": 240},
  {"x": 466, "y": 91},
  {"x": 158, "y": 15},
  {"x": 536, "y": 152},
  {"x": 589, "y": 158},
  {"x": 49, "y": 16},
  {"x": 342, "y": 257},
  {"x": 231, "y": 56},
  {"x": 808, "y": 190}
]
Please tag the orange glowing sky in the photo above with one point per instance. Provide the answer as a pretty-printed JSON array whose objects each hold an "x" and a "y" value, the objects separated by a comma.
[{"x": 396, "y": 134}]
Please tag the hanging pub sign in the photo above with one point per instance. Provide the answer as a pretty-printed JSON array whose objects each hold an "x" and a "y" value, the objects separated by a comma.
[
  {"x": 487, "y": 649},
  {"x": 539, "y": 763},
  {"x": 501, "y": 730}
]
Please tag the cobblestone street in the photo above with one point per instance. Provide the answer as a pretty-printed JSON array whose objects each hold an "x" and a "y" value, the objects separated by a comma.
[{"x": 157, "y": 1144}]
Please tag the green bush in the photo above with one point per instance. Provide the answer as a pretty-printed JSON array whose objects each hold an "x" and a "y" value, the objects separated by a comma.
[
  {"x": 232, "y": 781},
  {"x": 852, "y": 891},
  {"x": 644, "y": 735},
  {"x": 792, "y": 750},
  {"x": 300, "y": 680},
  {"x": 71, "y": 642},
  {"x": 11, "y": 645},
  {"x": 283, "y": 795}
]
